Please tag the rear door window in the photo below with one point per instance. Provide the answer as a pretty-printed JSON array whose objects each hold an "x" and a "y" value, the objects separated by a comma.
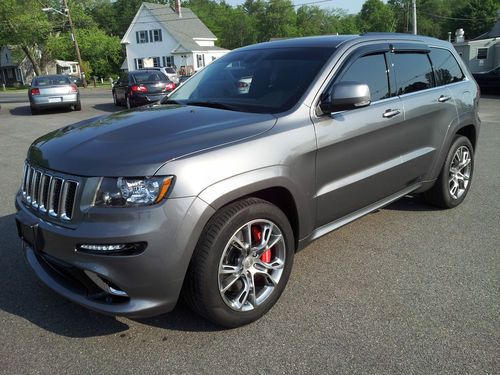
[
  {"x": 446, "y": 68},
  {"x": 413, "y": 72},
  {"x": 371, "y": 70}
]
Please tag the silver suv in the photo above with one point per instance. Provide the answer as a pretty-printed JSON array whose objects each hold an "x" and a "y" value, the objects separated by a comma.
[{"x": 210, "y": 193}]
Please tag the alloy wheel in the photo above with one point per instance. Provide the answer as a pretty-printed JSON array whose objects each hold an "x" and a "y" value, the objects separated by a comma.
[
  {"x": 460, "y": 172},
  {"x": 251, "y": 265}
]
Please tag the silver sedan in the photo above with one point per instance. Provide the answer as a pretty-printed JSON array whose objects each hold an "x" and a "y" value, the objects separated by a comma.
[{"x": 53, "y": 91}]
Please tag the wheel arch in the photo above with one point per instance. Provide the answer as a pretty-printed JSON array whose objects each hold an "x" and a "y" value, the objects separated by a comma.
[
  {"x": 469, "y": 131},
  {"x": 277, "y": 190}
]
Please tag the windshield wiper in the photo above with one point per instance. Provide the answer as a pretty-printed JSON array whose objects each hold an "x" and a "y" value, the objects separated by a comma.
[
  {"x": 214, "y": 105},
  {"x": 171, "y": 101}
]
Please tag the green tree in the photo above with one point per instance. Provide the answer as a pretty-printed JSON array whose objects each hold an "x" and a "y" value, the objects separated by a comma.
[
  {"x": 23, "y": 24},
  {"x": 476, "y": 17},
  {"x": 376, "y": 16},
  {"x": 102, "y": 52}
]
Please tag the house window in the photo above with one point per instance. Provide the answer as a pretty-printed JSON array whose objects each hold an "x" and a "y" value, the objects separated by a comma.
[
  {"x": 200, "y": 61},
  {"x": 139, "y": 64},
  {"x": 482, "y": 53},
  {"x": 156, "y": 35},
  {"x": 142, "y": 36},
  {"x": 168, "y": 61},
  {"x": 156, "y": 62},
  {"x": 9, "y": 73}
]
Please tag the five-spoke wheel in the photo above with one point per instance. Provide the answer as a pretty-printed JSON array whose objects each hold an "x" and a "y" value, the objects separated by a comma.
[
  {"x": 241, "y": 264},
  {"x": 453, "y": 182}
]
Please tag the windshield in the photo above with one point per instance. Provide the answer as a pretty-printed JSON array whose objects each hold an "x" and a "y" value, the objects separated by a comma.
[
  {"x": 149, "y": 76},
  {"x": 50, "y": 81},
  {"x": 264, "y": 81}
]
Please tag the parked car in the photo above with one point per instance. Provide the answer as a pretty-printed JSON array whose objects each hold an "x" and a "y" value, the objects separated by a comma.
[
  {"x": 210, "y": 194},
  {"x": 53, "y": 91},
  {"x": 141, "y": 87},
  {"x": 489, "y": 81},
  {"x": 169, "y": 72},
  {"x": 76, "y": 80}
]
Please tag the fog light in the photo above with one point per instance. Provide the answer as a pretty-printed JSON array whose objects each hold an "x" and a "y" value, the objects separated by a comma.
[
  {"x": 103, "y": 247},
  {"x": 112, "y": 249}
]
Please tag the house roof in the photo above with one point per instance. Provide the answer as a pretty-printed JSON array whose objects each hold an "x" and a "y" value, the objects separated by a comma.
[
  {"x": 493, "y": 33},
  {"x": 183, "y": 29}
]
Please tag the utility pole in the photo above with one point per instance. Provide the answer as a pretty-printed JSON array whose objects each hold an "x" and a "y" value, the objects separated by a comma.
[
  {"x": 414, "y": 4},
  {"x": 73, "y": 35}
]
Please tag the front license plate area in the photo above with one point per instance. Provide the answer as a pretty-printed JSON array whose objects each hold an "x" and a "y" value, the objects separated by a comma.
[
  {"x": 55, "y": 100},
  {"x": 30, "y": 233}
]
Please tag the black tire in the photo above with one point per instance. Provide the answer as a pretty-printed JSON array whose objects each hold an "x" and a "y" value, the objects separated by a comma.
[
  {"x": 128, "y": 102},
  {"x": 201, "y": 287},
  {"x": 78, "y": 106},
  {"x": 115, "y": 100},
  {"x": 34, "y": 110},
  {"x": 439, "y": 195}
]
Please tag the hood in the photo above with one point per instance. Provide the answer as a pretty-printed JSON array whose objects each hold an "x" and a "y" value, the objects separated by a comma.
[{"x": 138, "y": 142}]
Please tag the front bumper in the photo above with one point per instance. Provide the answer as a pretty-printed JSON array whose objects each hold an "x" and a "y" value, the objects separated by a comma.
[{"x": 152, "y": 280}]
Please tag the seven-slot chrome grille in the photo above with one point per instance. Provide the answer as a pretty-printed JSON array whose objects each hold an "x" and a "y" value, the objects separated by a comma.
[{"x": 48, "y": 193}]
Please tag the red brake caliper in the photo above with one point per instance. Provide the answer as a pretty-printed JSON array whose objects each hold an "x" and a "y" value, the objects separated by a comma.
[{"x": 257, "y": 236}]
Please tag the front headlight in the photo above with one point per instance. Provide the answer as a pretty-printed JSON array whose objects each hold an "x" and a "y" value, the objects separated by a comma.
[{"x": 125, "y": 191}]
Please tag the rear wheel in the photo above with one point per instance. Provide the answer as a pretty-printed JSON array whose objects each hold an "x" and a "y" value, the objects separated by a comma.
[
  {"x": 128, "y": 102},
  {"x": 115, "y": 100},
  {"x": 454, "y": 181},
  {"x": 78, "y": 106},
  {"x": 241, "y": 264}
]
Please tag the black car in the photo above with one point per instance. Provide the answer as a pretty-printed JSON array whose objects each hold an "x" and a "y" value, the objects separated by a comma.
[
  {"x": 489, "y": 81},
  {"x": 141, "y": 87}
]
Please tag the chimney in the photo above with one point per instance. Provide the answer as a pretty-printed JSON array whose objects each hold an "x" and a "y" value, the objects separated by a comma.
[
  {"x": 459, "y": 36},
  {"x": 178, "y": 8}
]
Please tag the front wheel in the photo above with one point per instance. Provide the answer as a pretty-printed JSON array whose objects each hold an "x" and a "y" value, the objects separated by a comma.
[
  {"x": 454, "y": 181},
  {"x": 241, "y": 264}
]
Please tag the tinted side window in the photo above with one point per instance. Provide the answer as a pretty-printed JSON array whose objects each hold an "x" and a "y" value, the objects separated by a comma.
[
  {"x": 413, "y": 72},
  {"x": 446, "y": 68},
  {"x": 371, "y": 70}
]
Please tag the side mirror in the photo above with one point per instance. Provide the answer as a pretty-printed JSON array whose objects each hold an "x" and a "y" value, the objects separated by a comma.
[{"x": 344, "y": 96}]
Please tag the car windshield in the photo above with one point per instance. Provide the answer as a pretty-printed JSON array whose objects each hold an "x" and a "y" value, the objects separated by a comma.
[
  {"x": 256, "y": 80},
  {"x": 170, "y": 70},
  {"x": 51, "y": 81},
  {"x": 149, "y": 76}
]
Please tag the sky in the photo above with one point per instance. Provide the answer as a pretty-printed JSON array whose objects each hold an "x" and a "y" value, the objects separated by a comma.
[{"x": 352, "y": 6}]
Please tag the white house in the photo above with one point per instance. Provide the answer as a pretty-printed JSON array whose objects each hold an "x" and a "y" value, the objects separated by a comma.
[
  {"x": 483, "y": 52},
  {"x": 162, "y": 36}
]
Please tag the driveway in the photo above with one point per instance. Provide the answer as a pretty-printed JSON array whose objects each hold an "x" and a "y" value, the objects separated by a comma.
[{"x": 406, "y": 290}]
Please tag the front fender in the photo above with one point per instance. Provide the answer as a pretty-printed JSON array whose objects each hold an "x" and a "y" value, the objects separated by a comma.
[{"x": 246, "y": 184}]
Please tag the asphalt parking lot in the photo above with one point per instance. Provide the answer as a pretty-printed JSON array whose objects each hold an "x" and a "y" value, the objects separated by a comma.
[{"x": 406, "y": 290}]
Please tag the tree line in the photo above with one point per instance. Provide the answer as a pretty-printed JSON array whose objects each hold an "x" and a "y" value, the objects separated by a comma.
[{"x": 45, "y": 35}]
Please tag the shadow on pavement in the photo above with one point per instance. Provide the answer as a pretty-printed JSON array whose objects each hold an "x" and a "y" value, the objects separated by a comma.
[
  {"x": 23, "y": 295},
  {"x": 25, "y": 111},
  {"x": 108, "y": 107},
  {"x": 411, "y": 203}
]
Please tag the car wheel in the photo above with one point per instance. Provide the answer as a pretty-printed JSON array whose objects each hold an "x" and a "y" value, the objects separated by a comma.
[
  {"x": 241, "y": 264},
  {"x": 78, "y": 105},
  {"x": 455, "y": 178},
  {"x": 34, "y": 110},
  {"x": 128, "y": 102}
]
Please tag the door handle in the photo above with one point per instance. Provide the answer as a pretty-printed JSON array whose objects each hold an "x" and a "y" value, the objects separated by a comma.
[
  {"x": 444, "y": 98},
  {"x": 391, "y": 113}
]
